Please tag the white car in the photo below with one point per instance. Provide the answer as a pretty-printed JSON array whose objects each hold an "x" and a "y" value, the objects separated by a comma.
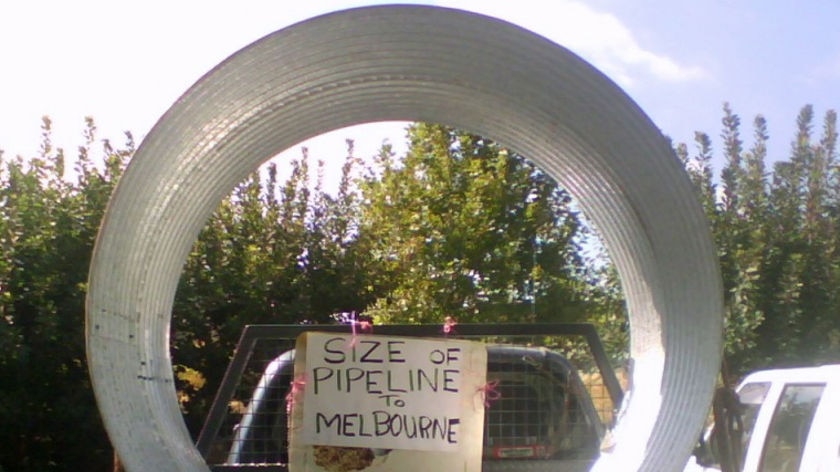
[{"x": 791, "y": 423}]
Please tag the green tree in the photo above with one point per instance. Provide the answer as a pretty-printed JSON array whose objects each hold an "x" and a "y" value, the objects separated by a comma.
[
  {"x": 815, "y": 257},
  {"x": 463, "y": 227},
  {"x": 271, "y": 253},
  {"x": 739, "y": 244},
  {"x": 777, "y": 240},
  {"x": 50, "y": 420}
]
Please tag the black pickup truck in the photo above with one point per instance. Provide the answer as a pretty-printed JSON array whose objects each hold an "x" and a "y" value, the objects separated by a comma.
[{"x": 542, "y": 414}]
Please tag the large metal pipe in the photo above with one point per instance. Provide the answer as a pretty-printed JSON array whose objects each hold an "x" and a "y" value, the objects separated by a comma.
[{"x": 408, "y": 63}]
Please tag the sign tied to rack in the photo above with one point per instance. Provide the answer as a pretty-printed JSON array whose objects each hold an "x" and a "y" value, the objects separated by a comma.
[
  {"x": 393, "y": 393},
  {"x": 390, "y": 394}
]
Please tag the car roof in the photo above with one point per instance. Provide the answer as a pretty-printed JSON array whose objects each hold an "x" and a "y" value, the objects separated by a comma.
[{"x": 823, "y": 373}]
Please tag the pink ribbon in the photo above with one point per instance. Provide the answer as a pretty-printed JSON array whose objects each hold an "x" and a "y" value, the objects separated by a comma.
[
  {"x": 488, "y": 392},
  {"x": 295, "y": 392},
  {"x": 449, "y": 325},
  {"x": 364, "y": 327}
]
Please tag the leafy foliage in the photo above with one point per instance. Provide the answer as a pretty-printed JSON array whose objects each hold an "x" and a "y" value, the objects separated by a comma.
[
  {"x": 459, "y": 226},
  {"x": 777, "y": 237},
  {"x": 463, "y": 228},
  {"x": 47, "y": 233}
]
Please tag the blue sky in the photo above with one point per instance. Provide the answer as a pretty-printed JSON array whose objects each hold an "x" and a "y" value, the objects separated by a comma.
[{"x": 124, "y": 63}]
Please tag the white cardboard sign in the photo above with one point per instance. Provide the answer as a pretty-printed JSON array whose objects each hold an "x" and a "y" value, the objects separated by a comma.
[{"x": 390, "y": 394}]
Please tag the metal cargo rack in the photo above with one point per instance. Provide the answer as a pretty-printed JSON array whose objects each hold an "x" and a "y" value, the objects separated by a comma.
[{"x": 515, "y": 421}]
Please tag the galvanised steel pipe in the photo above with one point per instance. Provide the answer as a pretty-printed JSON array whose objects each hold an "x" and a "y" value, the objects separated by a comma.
[{"x": 409, "y": 63}]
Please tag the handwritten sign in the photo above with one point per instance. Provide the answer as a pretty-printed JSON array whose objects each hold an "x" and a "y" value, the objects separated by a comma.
[{"x": 395, "y": 394}]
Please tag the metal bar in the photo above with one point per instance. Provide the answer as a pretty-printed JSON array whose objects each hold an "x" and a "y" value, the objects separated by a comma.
[
  {"x": 461, "y": 330},
  {"x": 218, "y": 409},
  {"x": 602, "y": 361}
]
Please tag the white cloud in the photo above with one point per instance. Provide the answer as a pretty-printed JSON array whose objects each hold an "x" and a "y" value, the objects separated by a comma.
[
  {"x": 599, "y": 37},
  {"x": 86, "y": 58}
]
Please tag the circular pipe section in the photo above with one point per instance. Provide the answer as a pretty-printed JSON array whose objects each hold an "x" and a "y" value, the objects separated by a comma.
[{"x": 408, "y": 63}]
